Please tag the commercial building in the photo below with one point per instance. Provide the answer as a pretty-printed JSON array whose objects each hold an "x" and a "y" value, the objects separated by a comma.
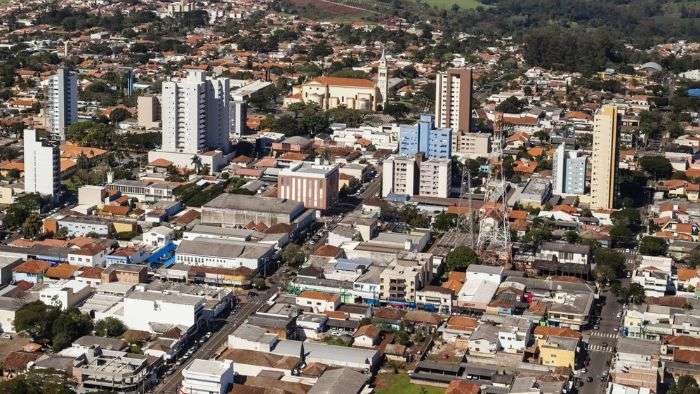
[
  {"x": 423, "y": 137},
  {"x": 453, "y": 107},
  {"x": 535, "y": 193},
  {"x": 315, "y": 185},
  {"x": 207, "y": 377},
  {"x": 400, "y": 281},
  {"x": 145, "y": 310},
  {"x": 195, "y": 120},
  {"x": 604, "y": 161},
  {"x": 144, "y": 190},
  {"x": 62, "y": 106},
  {"x": 42, "y": 170},
  {"x": 65, "y": 293},
  {"x": 232, "y": 210},
  {"x": 148, "y": 112},
  {"x": 399, "y": 174},
  {"x": 113, "y": 370},
  {"x": 211, "y": 252},
  {"x": 473, "y": 145},
  {"x": 435, "y": 178},
  {"x": 569, "y": 171}
]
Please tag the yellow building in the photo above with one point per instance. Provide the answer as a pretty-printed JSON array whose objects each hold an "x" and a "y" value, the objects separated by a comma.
[
  {"x": 332, "y": 92},
  {"x": 604, "y": 162},
  {"x": 557, "y": 351}
]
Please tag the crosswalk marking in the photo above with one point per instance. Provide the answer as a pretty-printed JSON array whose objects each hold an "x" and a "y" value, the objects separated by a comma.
[
  {"x": 599, "y": 348},
  {"x": 604, "y": 334}
]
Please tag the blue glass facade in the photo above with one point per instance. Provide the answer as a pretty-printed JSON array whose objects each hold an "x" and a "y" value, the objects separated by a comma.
[{"x": 423, "y": 137}]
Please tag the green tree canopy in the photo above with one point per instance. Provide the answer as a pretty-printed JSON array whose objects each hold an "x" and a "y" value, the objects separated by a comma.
[
  {"x": 653, "y": 246},
  {"x": 460, "y": 258},
  {"x": 684, "y": 385},
  {"x": 109, "y": 327},
  {"x": 293, "y": 255},
  {"x": 658, "y": 167}
]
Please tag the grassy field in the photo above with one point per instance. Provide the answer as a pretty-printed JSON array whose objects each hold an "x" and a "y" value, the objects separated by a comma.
[
  {"x": 465, "y": 4},
  {"x": 401, "y": 384}
]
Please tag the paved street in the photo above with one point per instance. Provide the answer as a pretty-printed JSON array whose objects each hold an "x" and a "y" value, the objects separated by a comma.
[
  {"x": 601, "y": 343},
  {"x": 209, "y": 349}
]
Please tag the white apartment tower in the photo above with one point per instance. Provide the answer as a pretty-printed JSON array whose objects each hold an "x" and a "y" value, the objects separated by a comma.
[
  {"x": 399, "y": 175},
  {"x": 42, "y": 172},
  {"x": 604, "y": 161},
  {"x": 195, "y": 114},
  {"x": 62, "y": 108},
  {"x": 435, "y": 178},
  {"x": 383, "y": 79}
]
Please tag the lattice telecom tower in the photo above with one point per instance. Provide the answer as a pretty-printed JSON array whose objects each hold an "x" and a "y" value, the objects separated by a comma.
[
  {"x": 494, "y": 232},
  {"x": 466, "y": 224}
]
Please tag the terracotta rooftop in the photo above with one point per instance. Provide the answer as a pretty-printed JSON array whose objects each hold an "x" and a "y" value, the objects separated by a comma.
[
  {"x": 318, "y": 295},
  {"x": 339, "y": 81},
  {"x": 32, "y": 267}
]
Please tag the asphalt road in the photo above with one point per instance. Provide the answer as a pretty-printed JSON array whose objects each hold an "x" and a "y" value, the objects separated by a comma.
[
  {"x": 171, "y": 383},
  {"x": 601, "y": 343}
]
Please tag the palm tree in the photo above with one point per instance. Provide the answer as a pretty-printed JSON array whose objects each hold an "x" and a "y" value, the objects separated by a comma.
[{"x": 197, "y": 164}]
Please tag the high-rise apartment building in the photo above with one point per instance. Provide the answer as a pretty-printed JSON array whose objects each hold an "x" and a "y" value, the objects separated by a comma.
[
  {"x": 148, "y": 111},
  {"x": 195, "y": 114},
  {"x": 473, "y": 145},
  {"x": 604, "y": 162},
  {"x": 237, "y": 116},
  {"x": 42, "y": 171},
  {"x": 315, "y": 185},
  {"x": 569, "y": 171},
  {"x": 400, "y": 175},
  {"x": 412, "y": 175},
  {"x": 423, "y": 137},
  {"x": 62, "y": 105},
  {"x": 435, "y": 176},
  {"x": 453, "y": 101}
]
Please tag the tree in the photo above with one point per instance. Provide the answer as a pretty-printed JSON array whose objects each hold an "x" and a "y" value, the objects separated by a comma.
[
  {"x": 511, "y": 105},
  {"x": 459, "y": 258},
  {"x": 684, "y": 385},
  {"x": 197, "y": 164},
  {"x": 657, "y": 166},
  {"x": 397, "y": 110},
  {"x": 572, "y": 237},
  {"x": 259, "y": 283},
  {"x": 292, "y": 255},
  {"x": 653, "y": 246},
  {"x": 38, "y": 381},
  {"x": 635, "y": 293},
  {"x": 36, "y": 319},
  {"x": 31, "y": 228},
  {"x": 604, "y": 274},
  {"x": 109, "y": 327},
  {"x": 445, "y": 221},
  {"x": 69, "y": 326}
]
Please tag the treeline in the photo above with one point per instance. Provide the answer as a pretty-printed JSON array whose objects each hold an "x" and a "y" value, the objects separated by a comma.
[{"x": 580, "y": 50}]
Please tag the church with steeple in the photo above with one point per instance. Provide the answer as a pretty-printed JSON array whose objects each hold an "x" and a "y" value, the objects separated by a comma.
[{"x": 355, "y": 93}]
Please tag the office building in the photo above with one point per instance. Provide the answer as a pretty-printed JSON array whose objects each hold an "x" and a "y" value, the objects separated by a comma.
[
  {"x": 423, "y": 137},
  {"x": 230, "y": 210},
  {"x": 41, "y": 165},
  {"x": 145, "y": 310},
  {"x": 148, "y": 112},
  {"x": 207, "y": 377},
  {"x": 315, "y": 185},
  {"x": 399, "y": 175},
  {"x": 62, "y": 109},
  {"x": 195, "y": 118},
  {"x": 604, "y": 161},
  {"x": 453, "y": 108},
  {"x": 435, "y": 177},
  {"x": 473, "y": 145},
  {"x": 569, "y": 172}
]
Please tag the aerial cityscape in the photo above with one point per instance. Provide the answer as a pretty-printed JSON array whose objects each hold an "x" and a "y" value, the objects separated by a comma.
[{"x": 350, "y": 196}]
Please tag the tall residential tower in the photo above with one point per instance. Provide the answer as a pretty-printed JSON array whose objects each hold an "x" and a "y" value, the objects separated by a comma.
[
  {"x": 62, "y": 108},
  {"x": 453, "y": 102},
  {"x": 606, "y": 129},
  {"x": 195, "y": 114},
  {"x": 569, "y": 170},
  {"x": 42, "y": 172}
]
